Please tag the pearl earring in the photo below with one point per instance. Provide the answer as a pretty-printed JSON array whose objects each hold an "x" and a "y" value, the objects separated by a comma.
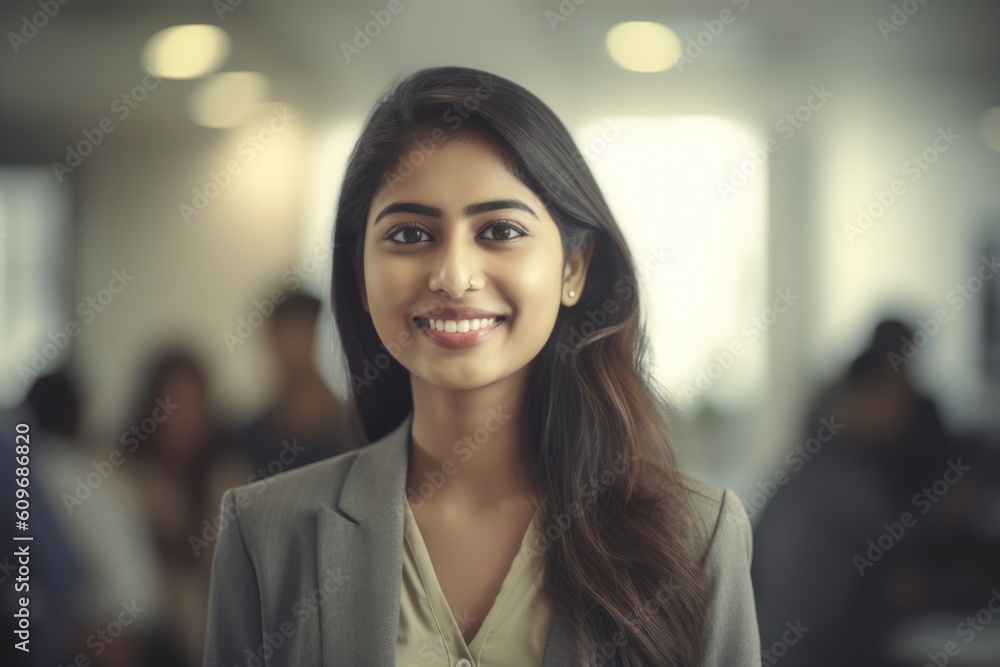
[{"x": 572, "y": 294}]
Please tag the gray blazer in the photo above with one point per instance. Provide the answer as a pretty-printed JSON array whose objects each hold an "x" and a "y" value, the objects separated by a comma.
[{"x": 307, "y": 568}]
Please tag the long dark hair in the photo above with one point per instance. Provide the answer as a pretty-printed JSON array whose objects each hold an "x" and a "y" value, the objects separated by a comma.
[{"x": 619, "y": 568}]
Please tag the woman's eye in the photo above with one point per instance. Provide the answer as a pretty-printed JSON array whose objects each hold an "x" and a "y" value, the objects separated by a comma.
[
  {"x": 501, "y": 230},
  {"x": 411, "y": 234},
  {"x": 506, "y": 229}
]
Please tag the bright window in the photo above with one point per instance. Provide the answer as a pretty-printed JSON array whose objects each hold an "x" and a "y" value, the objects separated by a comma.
[
  {"x": 703, "y": 245},
  {"x": 34, "y": 277}
]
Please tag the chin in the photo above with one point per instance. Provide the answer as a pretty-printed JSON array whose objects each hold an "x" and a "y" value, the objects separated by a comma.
[{"x": 458, "y": 377}]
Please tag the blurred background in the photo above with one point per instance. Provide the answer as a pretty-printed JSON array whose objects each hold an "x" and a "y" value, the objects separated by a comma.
[{"x": 810, "y": 190}]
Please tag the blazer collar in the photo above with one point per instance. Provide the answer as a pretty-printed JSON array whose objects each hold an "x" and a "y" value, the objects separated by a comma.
[{"x": 360, "y": 547}]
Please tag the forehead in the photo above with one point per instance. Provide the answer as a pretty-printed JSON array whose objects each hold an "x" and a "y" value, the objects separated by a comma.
[{"x": 464, "y": 169}]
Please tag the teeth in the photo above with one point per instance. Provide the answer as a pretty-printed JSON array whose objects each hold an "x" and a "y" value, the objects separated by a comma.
[{"x": 452, "y": 326}]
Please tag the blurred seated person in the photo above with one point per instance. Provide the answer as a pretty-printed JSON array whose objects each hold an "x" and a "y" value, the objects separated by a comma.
[
  {"x": 812, "y": 558},
  {"x": 897, "y": 427}
]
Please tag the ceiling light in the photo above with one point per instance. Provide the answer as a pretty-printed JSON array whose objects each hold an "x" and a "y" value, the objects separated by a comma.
[
  {"x": 228, "y": 98},
  {"x": 186, "y": 51},
  {"x": 643, "y": 46}
]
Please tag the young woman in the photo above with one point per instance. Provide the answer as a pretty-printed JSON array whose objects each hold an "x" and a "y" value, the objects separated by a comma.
[{"x": 519, "y": 503}]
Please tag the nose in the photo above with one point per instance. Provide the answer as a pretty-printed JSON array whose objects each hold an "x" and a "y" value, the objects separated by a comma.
[{"x": 454, "y": 265}]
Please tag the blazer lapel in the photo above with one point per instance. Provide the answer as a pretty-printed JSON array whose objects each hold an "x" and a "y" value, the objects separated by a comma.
[{"x": 360, "y": 547}]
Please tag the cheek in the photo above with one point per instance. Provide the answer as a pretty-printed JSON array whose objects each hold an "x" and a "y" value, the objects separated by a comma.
[
  {"x": 534, "y": 292},
  {"x": 387, "y": 288},
  {"x": 383, "y": 275}
]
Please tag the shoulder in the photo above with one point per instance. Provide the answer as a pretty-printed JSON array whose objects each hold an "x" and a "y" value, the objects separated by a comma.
[
  {"x": 723, "y": 531},
  {"x": 287, "y": 499},
  {"x": 724, "y": 541}
]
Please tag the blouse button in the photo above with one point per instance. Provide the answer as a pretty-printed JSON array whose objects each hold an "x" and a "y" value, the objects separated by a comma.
[{"x": 464, "y": 663}]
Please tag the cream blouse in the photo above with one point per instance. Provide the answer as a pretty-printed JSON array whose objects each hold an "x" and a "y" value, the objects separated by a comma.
[{"x": 513, "y": 633}]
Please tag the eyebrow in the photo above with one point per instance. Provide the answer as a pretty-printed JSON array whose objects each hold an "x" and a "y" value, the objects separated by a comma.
[{"x": 471, "y": 209}]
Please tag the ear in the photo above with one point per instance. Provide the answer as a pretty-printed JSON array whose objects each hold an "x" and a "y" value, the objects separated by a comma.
[
  {"x": 575, "y": 273},
  {"x": 360, "y": 275}
]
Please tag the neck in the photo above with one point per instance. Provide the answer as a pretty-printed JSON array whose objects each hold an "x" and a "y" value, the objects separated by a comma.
[{"x": 467, "y": 447}]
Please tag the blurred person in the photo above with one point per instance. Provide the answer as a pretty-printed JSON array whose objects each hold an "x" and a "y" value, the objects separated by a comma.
[
  {"x": 880, "y": 442},
  {"x": 179, "y": 468},
  {"x": 895, "y": 425},
  {"x": 518, "y": 500},
  {"x": 104, "y": 525},
  {"x": 305, "y": 421},
  {"x": 51, "y": 413}
]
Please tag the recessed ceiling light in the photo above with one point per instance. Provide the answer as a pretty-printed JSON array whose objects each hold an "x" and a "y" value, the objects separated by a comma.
[
  {"x": 643, "y": 46},
  {"x": 227, "y": 99},
  {"x": 186, "y": 51}
]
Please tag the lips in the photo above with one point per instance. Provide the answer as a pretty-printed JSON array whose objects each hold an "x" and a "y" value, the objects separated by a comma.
[{"x": 459, "y": 334}]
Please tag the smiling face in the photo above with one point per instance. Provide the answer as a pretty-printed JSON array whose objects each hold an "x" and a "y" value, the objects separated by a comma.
[{"x": 462, "y": 217}]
